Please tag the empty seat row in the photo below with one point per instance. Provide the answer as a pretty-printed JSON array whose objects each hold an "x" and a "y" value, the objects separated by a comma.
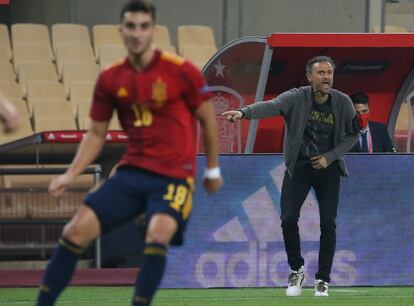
[{"x": 65, "y": 35}]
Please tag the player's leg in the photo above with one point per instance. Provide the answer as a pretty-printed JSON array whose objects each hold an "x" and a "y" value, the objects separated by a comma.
[
  {"x": 161, "y": 229},
  {"x": 113, "y": 204},
  {"x": 168, "y": 209},
  {"x": 294, "y": 193},
  {"x": 77, "y": 234},
  {"x": 326, "y": 188}
]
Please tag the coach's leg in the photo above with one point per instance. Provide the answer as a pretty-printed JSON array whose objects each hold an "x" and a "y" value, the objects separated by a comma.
[
  {"x": 77, "y": 234},
  {"x": 294, "y": 193},
  {"x": 161, "y": 229},
  {"x": 327, "y": 192}
]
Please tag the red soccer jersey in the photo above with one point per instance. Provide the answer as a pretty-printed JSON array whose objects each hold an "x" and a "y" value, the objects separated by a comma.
[{"x": 156, "y": 110}]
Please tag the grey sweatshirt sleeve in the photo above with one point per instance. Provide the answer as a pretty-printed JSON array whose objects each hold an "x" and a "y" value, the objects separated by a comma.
[
  {"x": 264, "y": 109},
  {"x": 350, "y": 136}
]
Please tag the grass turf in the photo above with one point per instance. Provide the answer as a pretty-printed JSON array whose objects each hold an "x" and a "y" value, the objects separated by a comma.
[{"x": 120, "y": 296}]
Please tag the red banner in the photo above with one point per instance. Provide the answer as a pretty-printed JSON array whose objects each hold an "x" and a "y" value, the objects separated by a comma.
[{"x": 4, "y": 2}]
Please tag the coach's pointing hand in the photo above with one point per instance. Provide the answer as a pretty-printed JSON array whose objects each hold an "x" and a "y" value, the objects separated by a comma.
[{"x": 233, "y": 115}]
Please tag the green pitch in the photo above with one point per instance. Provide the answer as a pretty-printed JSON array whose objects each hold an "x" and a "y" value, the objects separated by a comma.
[{"x": 120, "y": 296}]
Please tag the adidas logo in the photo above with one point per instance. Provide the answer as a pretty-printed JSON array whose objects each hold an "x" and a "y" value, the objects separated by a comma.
[{"x": 254, "y": 250}]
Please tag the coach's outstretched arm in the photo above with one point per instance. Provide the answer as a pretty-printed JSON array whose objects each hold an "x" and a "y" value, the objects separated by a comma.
[
  {"x": 212, "y": 176},
  {"x": 88, "y": 150}
]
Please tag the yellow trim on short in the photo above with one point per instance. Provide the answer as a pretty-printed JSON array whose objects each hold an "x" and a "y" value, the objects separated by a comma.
[
  {"x": 155, "y": 251},
  {"x": 76, "y": 250}
]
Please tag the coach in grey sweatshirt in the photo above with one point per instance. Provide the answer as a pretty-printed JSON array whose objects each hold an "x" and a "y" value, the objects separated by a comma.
[{"x": 320, "y": 129}]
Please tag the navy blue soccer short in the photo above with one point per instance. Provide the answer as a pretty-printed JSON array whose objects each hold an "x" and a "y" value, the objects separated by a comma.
[{"x": 132, "y": 191}]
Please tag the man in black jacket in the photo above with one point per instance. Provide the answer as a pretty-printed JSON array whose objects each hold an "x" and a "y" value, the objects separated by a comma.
[{"x": 374, "y": 136}]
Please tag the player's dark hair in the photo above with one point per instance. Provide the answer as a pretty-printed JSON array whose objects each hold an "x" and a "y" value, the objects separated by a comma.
[
  {"x": 318, "y": 59},
  {"x": 138, "y": 6},
  {"x": 359, "y": 98}
]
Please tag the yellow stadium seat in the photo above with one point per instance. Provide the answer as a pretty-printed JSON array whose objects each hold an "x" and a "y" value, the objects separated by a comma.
[
  {"x": 195, "y": 35},
  {"x": 64, "y": 34},
  {"x": 31, "y": 34},
  {"x": 105, "y": 34}
]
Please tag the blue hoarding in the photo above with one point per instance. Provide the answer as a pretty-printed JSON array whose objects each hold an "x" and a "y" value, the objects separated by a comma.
[{"x": 234, "y": 238}]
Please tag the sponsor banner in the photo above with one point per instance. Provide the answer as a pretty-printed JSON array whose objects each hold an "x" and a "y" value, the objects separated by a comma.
[
  {"x": 76, "y": 136},
  {"x": 234, "y": 238}
]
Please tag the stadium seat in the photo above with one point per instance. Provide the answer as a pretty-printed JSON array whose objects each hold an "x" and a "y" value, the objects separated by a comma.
[
  {"x": 35, "y": 72},
  {"x": 199, "y": 55},
  {"x": 7, "y": 72},
  {"x": 81, "y": 91},
  {"x": 5, "y": 46},
  {"x": 54, "y": 124},
  {"x": 46, "y": 90},
  {"x": 79, "y": 72},
  {"x": 30, "y": 53},
  {"x": 64, "y": 34},
  {"x": 162, "y": 35},
  {"x": 11, "y": 89},
  {"x": 44, "y": 109},
  {"x": 105, "y": 34},
  {"x": 195, "y": 35},
  {"x": 73, "y": 54},
  {"x": 31, "y": 34},
  {"x": 167, "y": 48},
  {"x": 389, "y": 29},
  {"x": 111, "y": 54}
]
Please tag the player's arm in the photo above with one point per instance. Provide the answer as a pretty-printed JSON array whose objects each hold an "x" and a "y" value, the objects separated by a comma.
[
  {"x": 207, "y": 117},
  {"x": 8, "y": 115},
  {"x": 88, "y": 150}
]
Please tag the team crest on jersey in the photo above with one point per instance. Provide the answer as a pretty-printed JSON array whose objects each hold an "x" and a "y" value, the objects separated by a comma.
[
  {"x": 159, "y": 92},
  {"x": 122, "y": 92}
]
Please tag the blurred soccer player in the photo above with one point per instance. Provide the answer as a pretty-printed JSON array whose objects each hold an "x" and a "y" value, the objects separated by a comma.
[
  {"x": 320, "y": 128},
  {"x": 158, "y": 98},
  {"x": 9, "y": 117}
]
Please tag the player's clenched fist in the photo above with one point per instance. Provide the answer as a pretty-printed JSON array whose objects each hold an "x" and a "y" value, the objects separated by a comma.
[
  {"x": 233, "y": 115},
  {"x": 213, "y": 185},
  {"x": 58, "y": 185}
]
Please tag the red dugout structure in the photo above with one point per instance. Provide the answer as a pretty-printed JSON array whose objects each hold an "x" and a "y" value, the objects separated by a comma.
[{"x": 256, "y": 68}]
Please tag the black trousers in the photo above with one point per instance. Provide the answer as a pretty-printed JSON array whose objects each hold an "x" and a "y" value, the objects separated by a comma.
[{"x": 325, "y": 183}]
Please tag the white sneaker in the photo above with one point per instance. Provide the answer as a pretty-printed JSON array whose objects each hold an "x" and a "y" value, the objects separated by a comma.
[
  {"x": 321, "y": 288},
  {"x": 296, "y": 279}
]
